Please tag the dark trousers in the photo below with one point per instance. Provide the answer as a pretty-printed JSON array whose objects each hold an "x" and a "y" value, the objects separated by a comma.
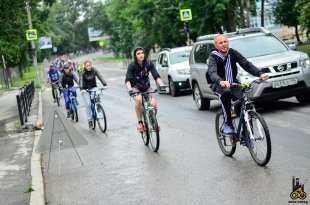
[{"x": 226, "y": 95}]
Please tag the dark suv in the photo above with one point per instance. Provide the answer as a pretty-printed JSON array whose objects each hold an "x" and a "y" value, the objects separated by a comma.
[{"x": 289, "y": 70}]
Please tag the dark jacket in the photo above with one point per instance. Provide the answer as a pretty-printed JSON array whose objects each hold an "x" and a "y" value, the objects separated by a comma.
[
  {"x": 216, "y": 66},
  {"x": 66, "y": 80},
  {"x": 88, "y": 79},
  {"x": 138, "y": 75}
]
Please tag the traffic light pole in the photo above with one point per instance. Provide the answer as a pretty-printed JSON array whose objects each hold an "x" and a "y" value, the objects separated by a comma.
[{"x": 34, "y": 53}]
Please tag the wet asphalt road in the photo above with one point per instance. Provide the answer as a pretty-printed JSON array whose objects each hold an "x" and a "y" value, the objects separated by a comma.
[{"x": 116, "y": 168}]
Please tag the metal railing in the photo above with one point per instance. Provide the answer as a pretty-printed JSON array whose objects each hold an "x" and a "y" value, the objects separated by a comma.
[{"x": 24, "y": 100}]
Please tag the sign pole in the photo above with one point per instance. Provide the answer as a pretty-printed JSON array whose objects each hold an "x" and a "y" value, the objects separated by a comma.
[{"x": 34, "y": 53}]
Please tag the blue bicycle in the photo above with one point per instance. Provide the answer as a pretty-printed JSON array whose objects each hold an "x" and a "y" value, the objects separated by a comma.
[
  {"x": 73, "y": 106},
  {"x": 252, "y": 130},
  {"x": 98, "y": 114}
]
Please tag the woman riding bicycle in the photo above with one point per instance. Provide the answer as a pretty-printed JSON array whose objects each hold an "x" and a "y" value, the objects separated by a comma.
[
  {"x": 67, "y": 81},
  {"x": 223, "y": 71},
  {"x": 137, "y": 80},
  {"x": 87, "y": 82}
]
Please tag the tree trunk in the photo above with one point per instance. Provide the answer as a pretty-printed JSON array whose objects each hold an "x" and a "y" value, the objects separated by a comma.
[
  {"x": 296, "y": 33},
  {"x": 242, "y": 20},
  {"x": 248, "y": 15},
  {"x": 262, "y": 14}
]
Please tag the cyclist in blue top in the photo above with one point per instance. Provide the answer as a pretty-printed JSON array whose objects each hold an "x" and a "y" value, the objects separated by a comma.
[
  {"x": 67, "y": 81},
  {"x": 53, "y": 77}
]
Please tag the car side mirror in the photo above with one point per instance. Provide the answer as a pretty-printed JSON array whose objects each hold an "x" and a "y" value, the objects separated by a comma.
[
  {"x": 164, "y": 65},
  {"x": 292, "y": 46}
]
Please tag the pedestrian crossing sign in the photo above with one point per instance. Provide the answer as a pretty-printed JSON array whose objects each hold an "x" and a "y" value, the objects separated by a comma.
[
  {"x": 186, "y": 14},
  {"x": 31, "y": 34}
]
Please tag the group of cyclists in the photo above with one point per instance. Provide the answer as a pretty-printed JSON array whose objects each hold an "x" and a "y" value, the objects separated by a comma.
[
  {"x": 64, "y": 79},
  {"x": 222, "y": 71}
]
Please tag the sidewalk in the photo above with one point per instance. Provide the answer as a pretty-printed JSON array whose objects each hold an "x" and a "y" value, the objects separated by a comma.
[{"x": 16, "y": 151}]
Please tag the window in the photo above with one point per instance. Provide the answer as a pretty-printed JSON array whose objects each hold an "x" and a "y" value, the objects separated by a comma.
[
  {"x": 202, "y": 52},
  {"x": 179, "y": 57}
]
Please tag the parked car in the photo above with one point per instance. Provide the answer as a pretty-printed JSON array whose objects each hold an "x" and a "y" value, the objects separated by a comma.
[
  {"x": 173, "y": 67},
  {"x": 289, "y": 70}
]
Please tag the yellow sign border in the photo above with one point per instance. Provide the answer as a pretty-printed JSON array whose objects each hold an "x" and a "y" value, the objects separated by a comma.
[
  {"x": 190, "y": 15},
  {"x": 33, "y": 38}
]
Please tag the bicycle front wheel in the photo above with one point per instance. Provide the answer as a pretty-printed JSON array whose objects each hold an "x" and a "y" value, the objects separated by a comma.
[
  {"x": 226, "y": 142},
  {"x": 57, "y": 97},
  {"x": 145, "y": 134},
  {"x": 74, "y": 114},
  {"x": 260, "y": 147},
  {"x": 153, "y": 130},
  {"x": 101, "y": 118}
]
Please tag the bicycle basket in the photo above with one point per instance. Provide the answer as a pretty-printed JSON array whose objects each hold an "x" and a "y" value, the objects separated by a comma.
[{"x": 248, "y": 94}]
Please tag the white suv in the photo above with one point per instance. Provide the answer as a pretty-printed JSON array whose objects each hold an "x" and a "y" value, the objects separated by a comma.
[
  {"x": 173, "y": 67},
  {"x": 289, "y": 70}
]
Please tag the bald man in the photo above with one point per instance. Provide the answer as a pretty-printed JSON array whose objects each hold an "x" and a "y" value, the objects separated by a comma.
[{"x": 223, "y": 71}]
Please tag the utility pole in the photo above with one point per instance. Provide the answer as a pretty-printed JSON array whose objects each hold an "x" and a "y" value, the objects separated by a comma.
[{"x": 33, "y": 47}]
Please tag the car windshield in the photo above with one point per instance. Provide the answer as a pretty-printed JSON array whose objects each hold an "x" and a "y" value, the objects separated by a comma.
[
  {"x": 179, "y": 57},
  {"x": 258, "y": 46}
]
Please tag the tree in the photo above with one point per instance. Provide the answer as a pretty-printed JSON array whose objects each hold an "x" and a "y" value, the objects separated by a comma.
[
  {"x": 286, "y": 14},
  {"x": 304, "y": 18}
]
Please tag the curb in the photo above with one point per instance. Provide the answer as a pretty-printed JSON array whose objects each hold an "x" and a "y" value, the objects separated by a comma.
[{"x": 37, "y": 196}]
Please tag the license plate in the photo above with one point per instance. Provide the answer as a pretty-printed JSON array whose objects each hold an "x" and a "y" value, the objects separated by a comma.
[{"x": 284, "y": 83}]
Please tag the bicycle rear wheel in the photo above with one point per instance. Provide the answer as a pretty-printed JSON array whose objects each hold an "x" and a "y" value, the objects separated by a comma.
[
  {"x": 260, "y": 147},
  {"x": 101, "y": 118},
  {"x": 226, "y": 142},
  {"x": 153, "y": 130}
]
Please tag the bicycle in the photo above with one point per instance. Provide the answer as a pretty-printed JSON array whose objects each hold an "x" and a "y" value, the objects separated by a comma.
[
  {"x": 73, "y": 106},
  {"x": 151, "y": 131},
  {"x": 56, "y": 92},
  {"x": 252, "y": 130},
  {"x": 98, "y": 113}
]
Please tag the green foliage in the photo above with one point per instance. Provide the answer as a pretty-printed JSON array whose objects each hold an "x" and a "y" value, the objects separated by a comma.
[
  {"x": 28, "y": 188},
  {"x": 285, "y": 13},
  {"x": 304, "y": 18}
]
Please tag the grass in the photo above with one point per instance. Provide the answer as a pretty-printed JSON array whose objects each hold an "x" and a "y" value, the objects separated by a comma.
[
  {"x": 304, "y": 48},
  {"x": 28, "y": 188},
  {"x": 112, "y": 59},
  {"x": 29, "y": 76}
]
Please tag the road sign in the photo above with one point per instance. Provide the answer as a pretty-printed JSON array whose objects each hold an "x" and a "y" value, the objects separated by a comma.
[
  {"x": 31, "y": 34},
  {"x": 186, "y": 14}
]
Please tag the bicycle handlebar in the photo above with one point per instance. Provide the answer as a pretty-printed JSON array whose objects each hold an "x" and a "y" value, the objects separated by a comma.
[{"x": 239, "y": 85}]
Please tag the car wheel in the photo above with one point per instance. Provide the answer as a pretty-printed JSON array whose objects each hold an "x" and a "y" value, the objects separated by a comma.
[
  {"x": 201, "y": 103},
  {"x": 173, "y": 88},
  {"x": 303, "y": 98}
]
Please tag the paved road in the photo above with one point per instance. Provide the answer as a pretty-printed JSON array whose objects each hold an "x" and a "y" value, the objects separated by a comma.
[{"x": 116, "y": 168}]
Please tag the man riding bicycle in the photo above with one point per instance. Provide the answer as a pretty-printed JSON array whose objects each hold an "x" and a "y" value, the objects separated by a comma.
[
  {"x": 67, "y": 79},
  {"x": 53, "y": 77},
  {"x": 87, "y": 82},
  {"x": 222, "y": 70},
  {"x": 137, "y": 80}
]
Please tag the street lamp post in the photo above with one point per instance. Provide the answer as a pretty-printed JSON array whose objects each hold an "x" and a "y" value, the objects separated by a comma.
[{"x": 34, "y": 53}]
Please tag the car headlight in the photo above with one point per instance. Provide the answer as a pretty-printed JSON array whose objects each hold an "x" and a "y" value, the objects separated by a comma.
[
  {"x": 305, "y": 63},
  {"x": 183, "y": 71}
]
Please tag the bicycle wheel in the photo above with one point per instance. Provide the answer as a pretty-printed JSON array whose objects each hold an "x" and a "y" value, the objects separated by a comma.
[
  {"x": 260, "y": 147},
  {"x": 153, "y": 130},
  {"x": 57, "y": 97},
  {"x": 226, "y": 142},
  {"x": 145, "y": 134},
  {"x": 74, "y": 114},
  {"x": 101, "y": 118},
  {"x": 94, "y": 115}
]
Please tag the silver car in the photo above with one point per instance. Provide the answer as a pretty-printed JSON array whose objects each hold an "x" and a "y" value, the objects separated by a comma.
[
  {"x": 173, "y": 67},
  {"x": 289, "y": 70}
]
